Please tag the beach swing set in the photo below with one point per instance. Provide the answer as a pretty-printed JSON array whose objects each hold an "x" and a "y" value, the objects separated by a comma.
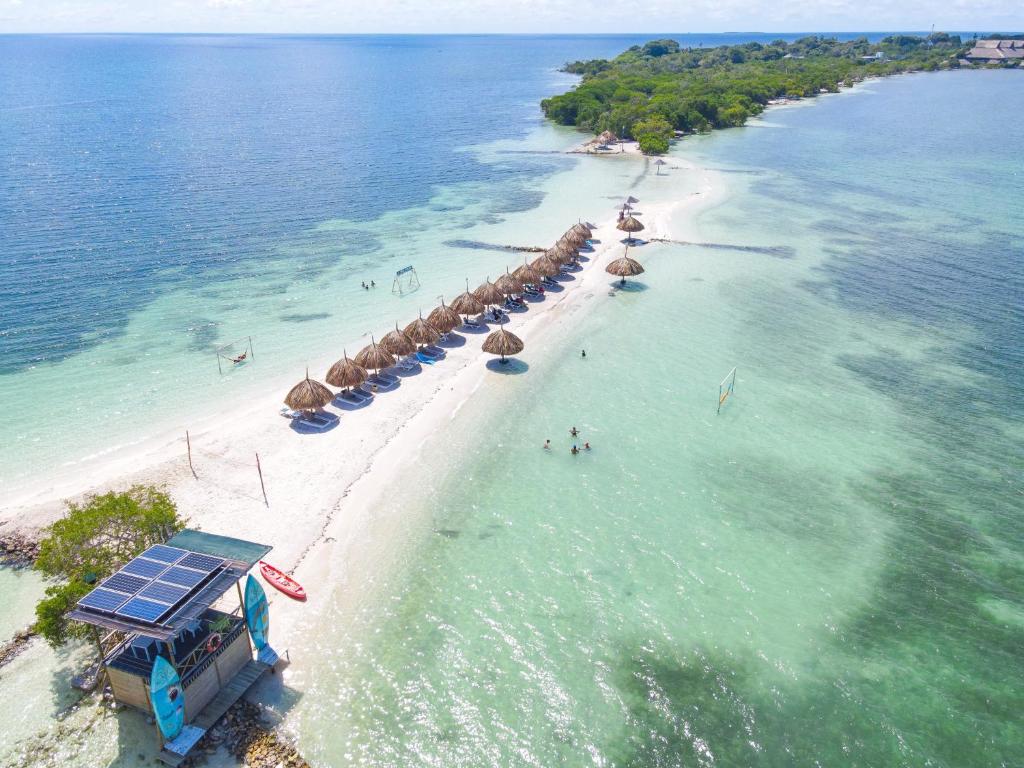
[
  {"x": 406, "y": 281},
  {"x": 234, "y": 354}
]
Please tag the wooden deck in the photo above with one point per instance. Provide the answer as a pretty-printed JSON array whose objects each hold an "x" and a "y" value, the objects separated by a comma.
[{"x": 215, "y": 710}]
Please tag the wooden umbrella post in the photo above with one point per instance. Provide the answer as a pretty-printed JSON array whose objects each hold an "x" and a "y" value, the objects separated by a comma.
[{"x": 262, "y": 486}]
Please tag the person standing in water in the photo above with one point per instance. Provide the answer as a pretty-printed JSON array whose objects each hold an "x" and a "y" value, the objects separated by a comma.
[
  {"x": 547, "y": 445},
  {"x": 583, "y": 353},
  {"x": 574, "y": 432}
]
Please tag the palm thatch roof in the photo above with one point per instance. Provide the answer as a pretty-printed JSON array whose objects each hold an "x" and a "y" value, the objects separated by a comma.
[
  {"x": 583, "y": 229},
  {"x": 374, "y": 357},
  {"x": 466, "y": 303},
  {"x": 574, "y": 238},
  {"x": 444, "y": 318},
  {"x": 630, "y": 224},
  {"x": 560, "y": 255},
  {"x": 508, "y": 284},
  {"x": 545, "y": 266},
  {"x": 502, "y": 342},
  {"x": 607, "y": 137},
  {"x": 346, "y": 373},
  {"x": 308, "y": 395},
  {"x": 527, "y": 274},
  {"x": 422, "y": 332},
  {"x": 398, "y": 343},
  {"x": 624, "y": 267},
  {"x": 488, "y": 293}
]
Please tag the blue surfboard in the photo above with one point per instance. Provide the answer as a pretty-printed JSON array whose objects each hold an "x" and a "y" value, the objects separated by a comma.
[
  {"x": 168, "y": 698},
  {"x": 257, "y": 613}
]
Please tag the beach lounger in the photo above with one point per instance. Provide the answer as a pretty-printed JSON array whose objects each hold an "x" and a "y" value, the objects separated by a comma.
[
  {"x": 472, "y": 322},
  {"x": 434, "y": 351},
  {"x": 408, "y": 363},
  {"x": 382, "y": 380},
  {"x": 353, "y": 396},
  {"x": 425, "y": 358},
  {"x": 312, "y": 419}
]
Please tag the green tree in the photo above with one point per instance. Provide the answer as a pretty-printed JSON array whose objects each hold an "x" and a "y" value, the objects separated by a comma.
[
  {"x": 91, "y": 542},
  {"x": 653, "y": 135}
]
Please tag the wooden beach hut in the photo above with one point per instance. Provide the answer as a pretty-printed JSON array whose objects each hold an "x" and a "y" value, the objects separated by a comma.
[{"x": 177, "y": 638}]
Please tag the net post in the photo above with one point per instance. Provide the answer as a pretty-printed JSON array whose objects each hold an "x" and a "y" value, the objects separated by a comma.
[
  {"x": 262, "y": 486},
  {"x": 252, "y": 352}
]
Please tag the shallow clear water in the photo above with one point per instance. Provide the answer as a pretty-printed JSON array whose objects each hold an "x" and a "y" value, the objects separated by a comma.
[
  {"x": 829, "y": 572},
  {"x": 162, "y": 196}
]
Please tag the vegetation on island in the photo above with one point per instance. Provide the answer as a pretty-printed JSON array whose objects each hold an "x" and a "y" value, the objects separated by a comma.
[
  {"x": 656, "y": 91},
  {"x": 95, "y": 539}
]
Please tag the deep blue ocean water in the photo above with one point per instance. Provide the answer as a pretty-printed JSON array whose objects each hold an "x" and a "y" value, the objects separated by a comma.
[{"x": 131, "y": 162}]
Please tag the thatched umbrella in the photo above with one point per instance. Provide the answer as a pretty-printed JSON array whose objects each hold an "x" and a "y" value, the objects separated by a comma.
[
  {"x": 630, "y": 224},
  {"x": 346, "y": 373},
  {"x": 545, "y": 266},
  {"x": 422, "y": 332},
  {"x": 659, "y": 162},
  {"x": 308, "y": 395},
  {"x": 624, "y": 267},
  {"x": 374, "y": 357},
  {"x": 508, "y": 284},
  {"x": 466, "y": 303},
  {"x": 398, "y": 343},
  {"x": 487, "y": 293},
  {"x": 583, "y": 229},
  {"x": 502, "y": 342},
  {"x": 444, "y": 318},
  {"x": 527, "y": 274},
  {"x": 575, "y": 239}
]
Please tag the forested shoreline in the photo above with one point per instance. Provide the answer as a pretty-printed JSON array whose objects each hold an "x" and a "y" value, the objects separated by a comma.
[{"x": 659, "y": 90}]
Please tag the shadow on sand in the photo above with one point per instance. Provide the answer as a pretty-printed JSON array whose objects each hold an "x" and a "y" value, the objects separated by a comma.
[
  {"x": 630, "y": 286},
  {"x": 453, "y": 341},
  {"x": 508, "y": 366}
]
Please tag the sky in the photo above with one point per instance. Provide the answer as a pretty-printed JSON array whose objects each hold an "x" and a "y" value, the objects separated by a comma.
[{"x": 516, "y": 16}]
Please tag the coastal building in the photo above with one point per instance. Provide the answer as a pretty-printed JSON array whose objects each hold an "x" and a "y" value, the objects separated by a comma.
[
  {"x": 997, "y": 50},
  {"x": 175, "y": 640}
]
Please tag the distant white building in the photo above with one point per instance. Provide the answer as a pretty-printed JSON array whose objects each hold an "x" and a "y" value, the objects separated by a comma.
[{"x": 997, "y": 50}]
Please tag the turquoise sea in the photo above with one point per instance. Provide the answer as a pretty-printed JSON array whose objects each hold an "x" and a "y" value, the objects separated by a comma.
[{"x": 828, "y": 572}]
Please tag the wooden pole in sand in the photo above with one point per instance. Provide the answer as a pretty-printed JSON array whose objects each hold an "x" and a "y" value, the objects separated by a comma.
[
  {"x": 262, "y": 486},
  {"x": 188, "y": 443}
]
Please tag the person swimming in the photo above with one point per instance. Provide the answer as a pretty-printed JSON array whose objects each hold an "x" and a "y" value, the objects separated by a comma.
[
  {"x": 574, "y": 432},
  {"x": 586, "y": 446},
  {"x": 547, "y": 445},
  {"x": 574, "y": 450},
  {"x": 583, "y": 353}
]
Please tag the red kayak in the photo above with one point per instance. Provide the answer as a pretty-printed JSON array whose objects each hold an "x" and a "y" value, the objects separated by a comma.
[{"x": 282, "y": 581}]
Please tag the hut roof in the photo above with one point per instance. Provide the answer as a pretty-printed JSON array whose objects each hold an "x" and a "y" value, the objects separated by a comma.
[
  {"x": 487, "y": 293},
  {"x": 624, "y": 266},
  {"x": 545, "y": 265},
  {"x": 467, "y": 304},
  {"x": 398, "y": 342},
  {"x": 374, "y": 357},
  {"x": 508, "y": 284},
  {"x": 527, "y": 274}
]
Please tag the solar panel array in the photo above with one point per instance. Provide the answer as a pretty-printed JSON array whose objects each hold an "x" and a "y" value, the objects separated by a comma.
[{"x": 153, "y": 585}]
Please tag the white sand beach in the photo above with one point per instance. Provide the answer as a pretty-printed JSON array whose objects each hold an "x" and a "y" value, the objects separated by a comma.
[{"x": 321, "y": 487}]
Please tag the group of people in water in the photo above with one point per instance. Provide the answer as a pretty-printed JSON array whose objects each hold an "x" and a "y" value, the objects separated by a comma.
[
  {"x": 575, "y": 450},
  {"x": 368, "y": 287}
]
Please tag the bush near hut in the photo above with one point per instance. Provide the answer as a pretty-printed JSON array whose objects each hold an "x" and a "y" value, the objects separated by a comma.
[
  {"x": 653, "y": 135},
  {"x": 90, "y": 543}
]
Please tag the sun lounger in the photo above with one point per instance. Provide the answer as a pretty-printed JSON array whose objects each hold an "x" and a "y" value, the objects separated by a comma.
[
  {"x": 434, "y": 351},
  {"x": 425, "y": 358},
  {"x": 382, "y": 380},
  {"x": 312, "y": 419},
  {"x": 408, "y": 363},
  {"x": 353, "y": 396},
  {"x": 472, "y": 322}
]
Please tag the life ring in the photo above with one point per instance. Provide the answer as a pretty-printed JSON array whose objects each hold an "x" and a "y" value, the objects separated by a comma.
[{"x": 213, "y": 643}]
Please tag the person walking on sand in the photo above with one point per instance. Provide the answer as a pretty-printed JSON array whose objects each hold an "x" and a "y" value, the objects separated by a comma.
[{"x": 574, "y": 432}]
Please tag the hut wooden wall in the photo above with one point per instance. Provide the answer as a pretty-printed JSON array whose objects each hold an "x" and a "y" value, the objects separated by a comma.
[
  {"x": 129, "y": 689},
  {"x": 203, "y": 688}
]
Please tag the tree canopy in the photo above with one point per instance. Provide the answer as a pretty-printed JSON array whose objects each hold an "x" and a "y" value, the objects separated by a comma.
[
  {"x": 91, "y": 542},
  {"x": 699, "y": 89}
]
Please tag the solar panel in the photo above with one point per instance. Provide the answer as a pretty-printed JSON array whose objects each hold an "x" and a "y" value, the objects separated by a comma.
[
  {"x": 183, "y": 576},
  {"x": 122, "y": 582},
  {"x": 150, "y": 569},
  {"x": 103, "y": 600},
  {"x": 145, "y": 610},
  {"x": 201, "y": 562},
  {"x": 164, "y": 553},
  {"x": 164, "y": 593}
]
